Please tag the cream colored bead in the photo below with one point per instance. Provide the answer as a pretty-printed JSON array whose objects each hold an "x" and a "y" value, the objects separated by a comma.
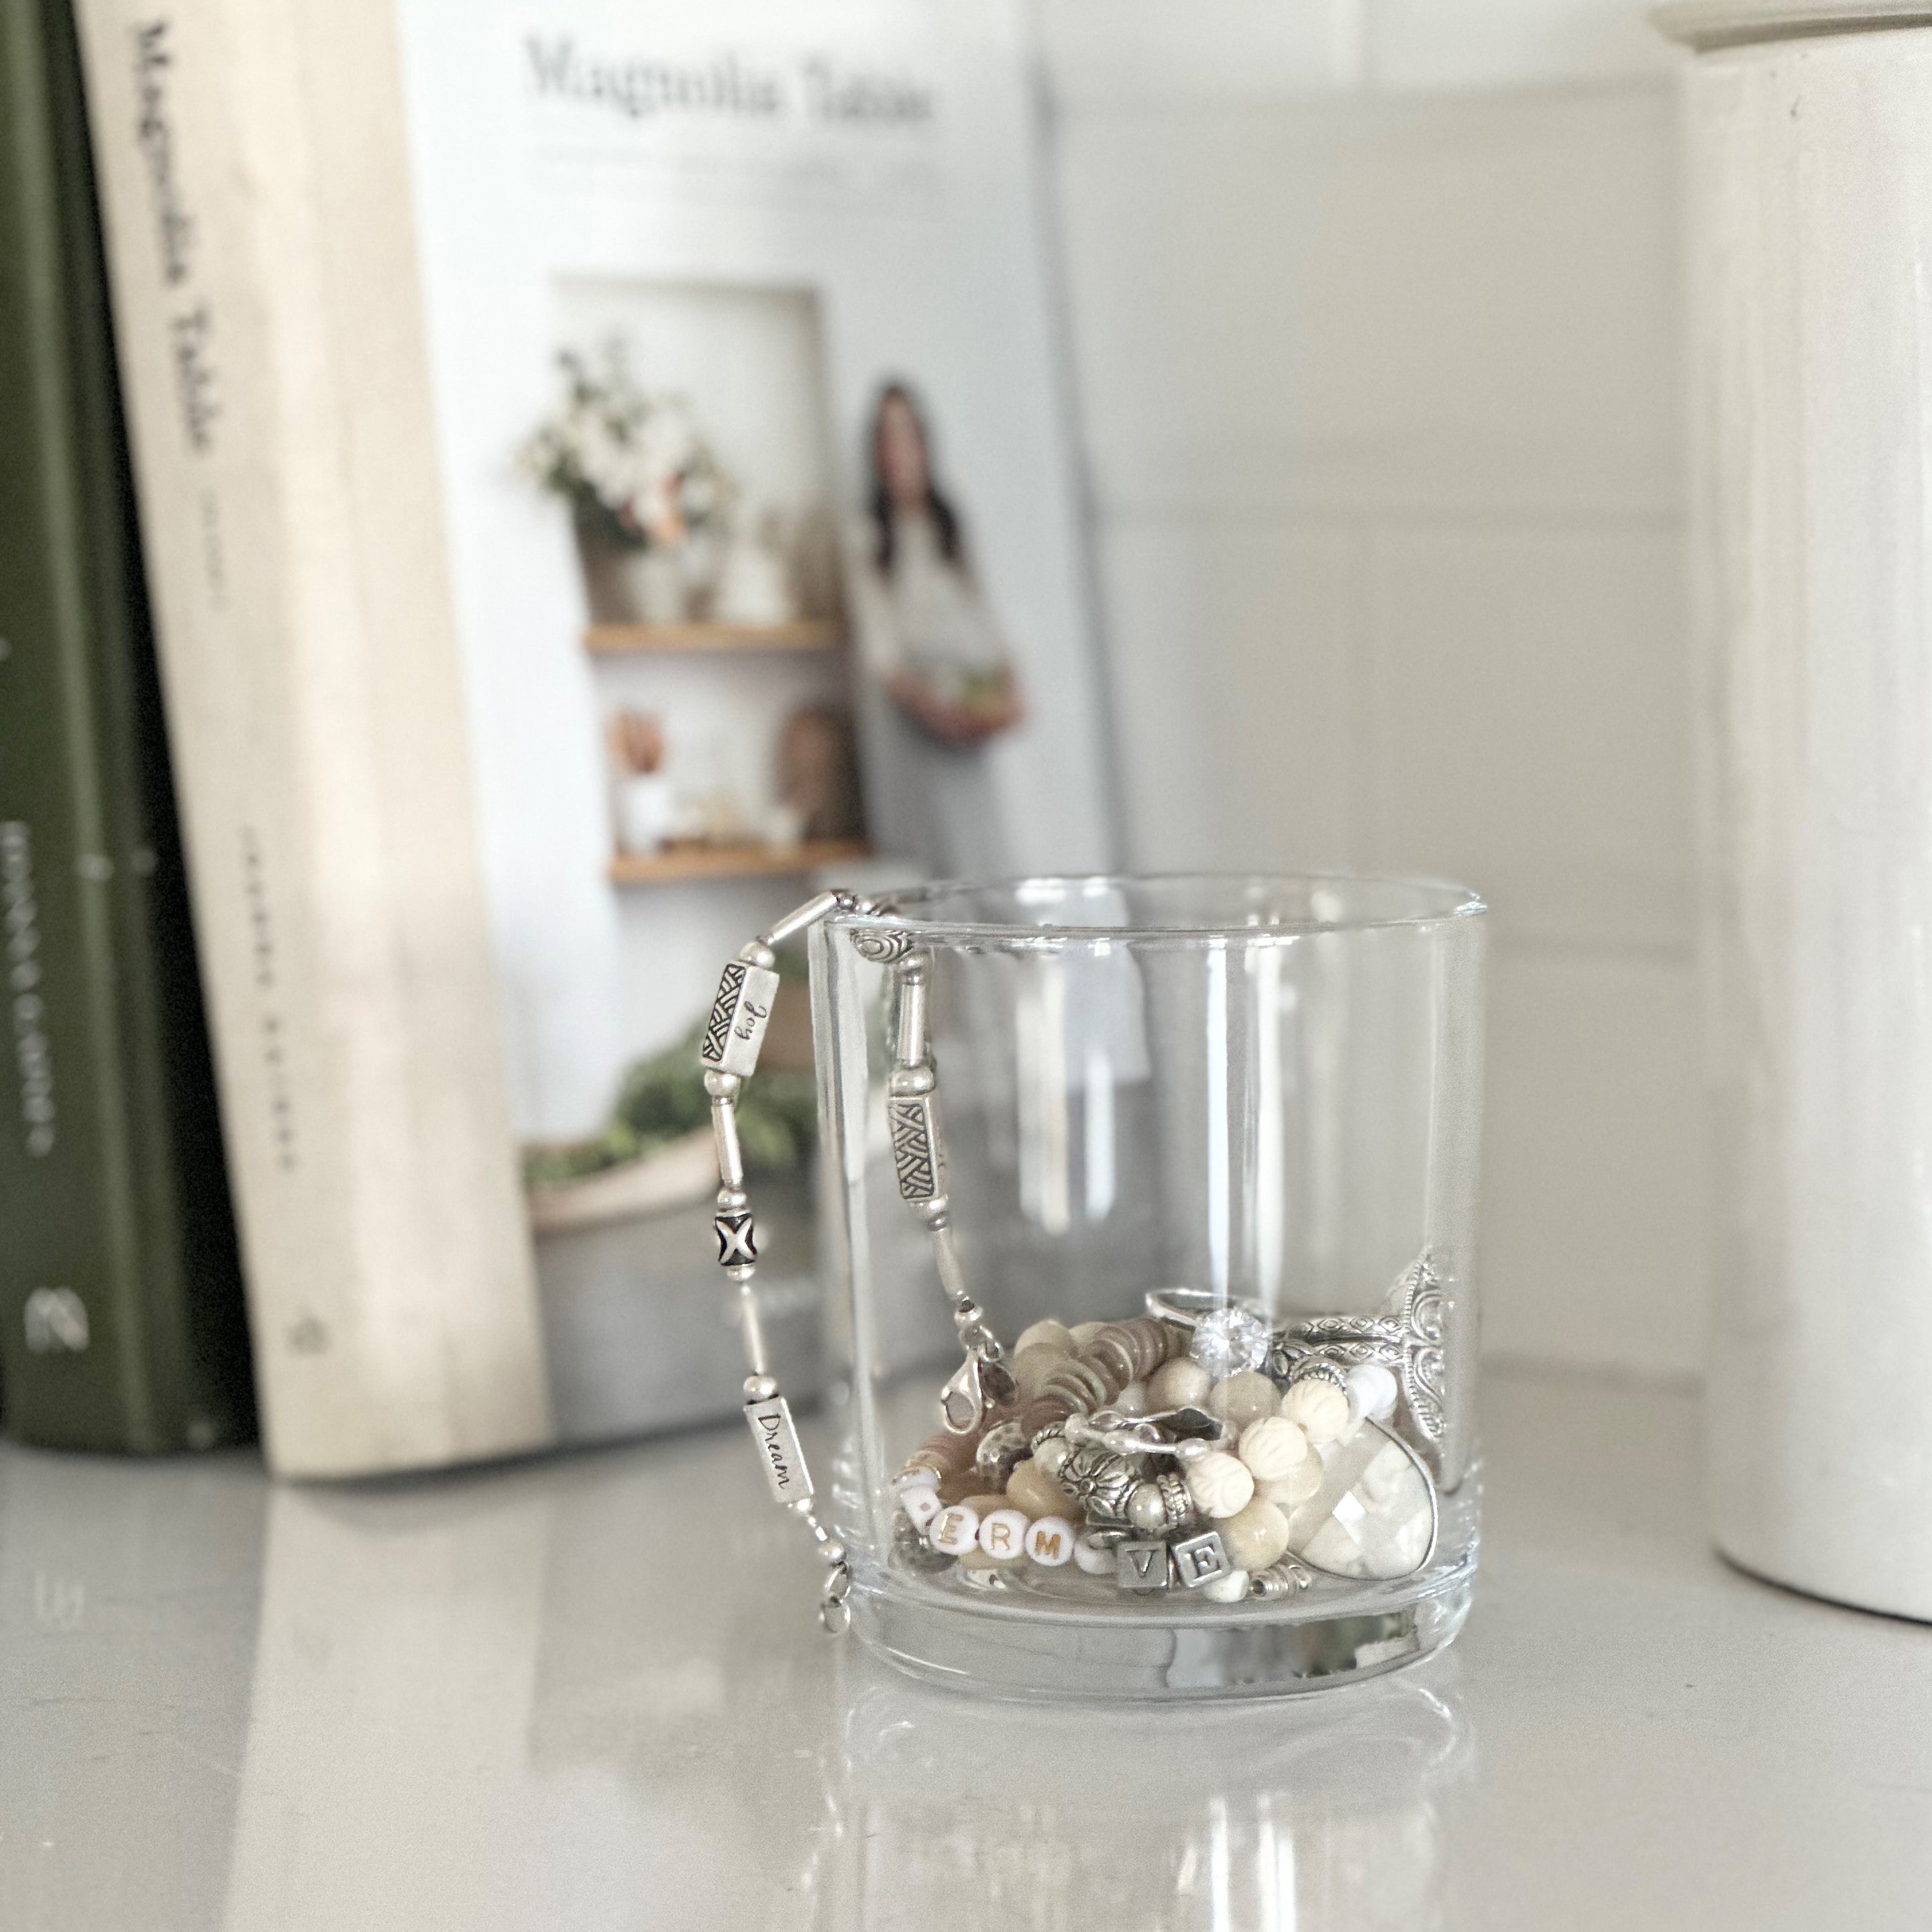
[
  {"x": 921, "y": 1504},
  {"x": 1256, "y": 1537},
  {"x": 1220, "y": 1485},
  {"x": 1243, "y": 1398},
  {"x": 1083, "y": 1332},
  {"x": 1373, "y": 1391},
  {"x": 1132, "y": 1400},
  {"x": 1096, "y": 1559},
  {"x": 1300, "y": 1483},
  {"x": 1180, "y": 1384},
  {"x": 1055, "y": 1335},
  {"x": 1320, "y": 1407},
  {"x": 1049, "y": 1541},
  {"x": 1030, "y": 1488},
  {"x": 1230, "y": 1588},
  {"x": 1003, "y": 1536},
  {"x": 954, "y": 1530},
  {"x": 1272, "y": 1446}
]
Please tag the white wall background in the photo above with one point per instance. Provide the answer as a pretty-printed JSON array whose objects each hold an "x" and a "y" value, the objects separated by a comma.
[{"x": 1374, "y": 312}]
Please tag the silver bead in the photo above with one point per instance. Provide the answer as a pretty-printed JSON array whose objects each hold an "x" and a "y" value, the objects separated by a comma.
[
  {"x": 913, "y": 1127},
  {"x": 1000, "y": 1450},
  {"x": 1200, "y": 1559},
  {"x": 1142, "y": 1567},
  {"x": 833, "y": 1551},
  {"x": 907, "y": 1080},
  {"x": 735, "y": 1029},
  {"x": 1146, "y": 1511},
  {"x": 1050, "y": 1449},
  {"x": 1177, "y": 1505},
  {"x": 756, "y": 954},
  {"x": 760, "y": 1388},
  {"x": 722, "y": 1086},
  {"x": 732, "y": 1200}
]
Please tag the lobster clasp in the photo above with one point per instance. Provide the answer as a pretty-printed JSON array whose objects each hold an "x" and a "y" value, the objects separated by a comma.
[{"x": 980, "y": 1384}]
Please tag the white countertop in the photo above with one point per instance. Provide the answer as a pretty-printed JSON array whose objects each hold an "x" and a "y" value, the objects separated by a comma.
[{"x": 589, "y": 1693}]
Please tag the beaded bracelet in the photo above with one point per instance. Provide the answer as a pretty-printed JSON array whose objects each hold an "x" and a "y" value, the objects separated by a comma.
[{"x": 728, "y": 1053}]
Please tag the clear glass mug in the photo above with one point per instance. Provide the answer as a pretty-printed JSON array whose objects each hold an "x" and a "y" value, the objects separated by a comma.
[{"x": 1203, "y": 1154}]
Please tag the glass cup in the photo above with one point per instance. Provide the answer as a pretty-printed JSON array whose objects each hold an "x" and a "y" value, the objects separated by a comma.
[{"x": 1151, "y": 1210}]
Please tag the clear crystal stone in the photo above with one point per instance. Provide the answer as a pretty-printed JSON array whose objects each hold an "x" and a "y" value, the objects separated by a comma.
[{"x": 1230, "y": 1340}]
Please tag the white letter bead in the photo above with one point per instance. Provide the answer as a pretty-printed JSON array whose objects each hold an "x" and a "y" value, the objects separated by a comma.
[
  {"x": 921, "y": 1504},
  {"x": 1373, "y": 1390},
  {"x": 1320, "y": 1407},
  {"x": 1272, "y": 1447},
  {"x": 1002, "y": 1535},
  {"x": 1049, "y": 1540},
  {"x": 954, "y": 1530},
  {"x": 1220, "y": 1485}
]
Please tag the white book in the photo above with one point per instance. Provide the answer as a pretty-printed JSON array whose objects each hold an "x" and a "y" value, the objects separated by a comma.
[{"x": 481, "y": 779}]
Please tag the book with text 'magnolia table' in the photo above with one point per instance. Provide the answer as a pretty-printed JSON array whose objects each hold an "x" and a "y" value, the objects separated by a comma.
[{"x": 602, "y": 470}]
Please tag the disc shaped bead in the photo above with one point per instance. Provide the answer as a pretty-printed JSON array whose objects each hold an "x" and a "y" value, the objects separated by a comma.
[
  {"x": 1220, "y": 1484},
  {"x": 1243, "y": 1398},
  {"x": 1228, "y": 1589},
  {"x": 1272, "y": 1446},
  {"x": 1321, "y": 1408},
  {"x": 1034, "y": 1366},
  {"x": 1096, "y": 1559}
]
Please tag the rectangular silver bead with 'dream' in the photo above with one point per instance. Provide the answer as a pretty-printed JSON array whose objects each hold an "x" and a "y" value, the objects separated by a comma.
[{"x": 778, "y": 1453}]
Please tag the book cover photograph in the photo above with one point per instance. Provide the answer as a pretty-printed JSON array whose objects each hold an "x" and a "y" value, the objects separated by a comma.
[{"x": 664, "y": 505}]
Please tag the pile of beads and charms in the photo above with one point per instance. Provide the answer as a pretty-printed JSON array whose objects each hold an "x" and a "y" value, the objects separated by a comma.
[{"x": 1195, "y": 1446}]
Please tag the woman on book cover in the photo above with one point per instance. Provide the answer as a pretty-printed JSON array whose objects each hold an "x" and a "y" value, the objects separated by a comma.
[{"x": 936, "y": 656}]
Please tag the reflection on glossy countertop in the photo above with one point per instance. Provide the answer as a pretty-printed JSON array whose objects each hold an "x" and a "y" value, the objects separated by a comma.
[{"x": 589, "y": 1693}]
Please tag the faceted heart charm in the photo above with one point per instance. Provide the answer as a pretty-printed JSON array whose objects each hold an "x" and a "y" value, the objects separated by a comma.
[{"x": 1374, "y": 1516}]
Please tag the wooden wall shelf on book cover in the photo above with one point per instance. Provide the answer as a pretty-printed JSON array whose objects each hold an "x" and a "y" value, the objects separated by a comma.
[
  {"x": 806, "y": 633},
  {"x": 733, "y": 862}
]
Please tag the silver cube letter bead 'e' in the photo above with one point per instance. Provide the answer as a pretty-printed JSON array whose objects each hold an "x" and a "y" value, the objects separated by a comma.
[
  {"x": 915, "y": 1145},
  {"x": 778, "y": 1453},
  {"x": 737, "y": 1240},
  {"x": 1142, "y": 1566},
  {"x": 1200, "y": 1559},
  {"x": 736, "y": 1028}
]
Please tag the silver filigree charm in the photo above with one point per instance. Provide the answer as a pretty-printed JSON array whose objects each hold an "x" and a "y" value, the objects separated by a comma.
[{"x": 1406, "y": 1340}]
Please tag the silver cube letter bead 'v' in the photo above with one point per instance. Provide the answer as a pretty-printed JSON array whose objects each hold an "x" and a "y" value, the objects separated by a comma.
[
  {"x": 1143, "y": 1567},
  {"x": 736, "y": 1028}
]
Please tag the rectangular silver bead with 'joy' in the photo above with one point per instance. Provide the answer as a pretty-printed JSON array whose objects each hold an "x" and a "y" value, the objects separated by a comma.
[
  {"x": 735, "y": 1030},
  {"x": 778, "y": 1453}
]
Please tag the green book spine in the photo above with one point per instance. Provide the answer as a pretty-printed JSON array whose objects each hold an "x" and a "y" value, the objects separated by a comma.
[{"x": 121, "y": 1311}]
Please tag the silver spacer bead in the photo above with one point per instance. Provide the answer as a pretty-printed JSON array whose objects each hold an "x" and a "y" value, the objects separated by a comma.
[
  {"x": 722, "y": 1086},
  {"x": 906, "y": 1080},
  {"x": 760, "y": 1388},
  {"x": 833, "y": 1552},
  {"x": 732, "y": 1200},
  {"x": 755, "y": 954}
]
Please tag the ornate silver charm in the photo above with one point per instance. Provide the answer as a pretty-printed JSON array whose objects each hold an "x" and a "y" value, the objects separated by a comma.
[
  {"x": 1407, "y": 1340},
  {"x": 1000, "y": 1449},
  {"x": 1101, "y": 1482}
]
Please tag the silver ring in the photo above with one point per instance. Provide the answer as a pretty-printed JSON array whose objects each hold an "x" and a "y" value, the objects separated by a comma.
[{"x": 1189, "y": 1307}]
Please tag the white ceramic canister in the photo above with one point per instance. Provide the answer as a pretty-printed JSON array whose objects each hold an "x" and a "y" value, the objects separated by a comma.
[{"x": 1809, "y": 168}]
